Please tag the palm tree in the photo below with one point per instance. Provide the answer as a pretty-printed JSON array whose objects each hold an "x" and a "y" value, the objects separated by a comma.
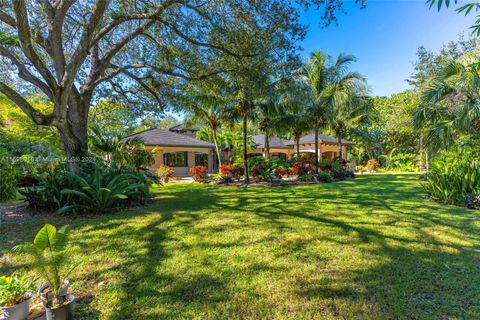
[
  {"x": 344, "y": 116},
  {"x": 451, "y": 104},
  {"x": 329, "y": 84},
  {"x": 207, "y": 108},
  {"x": 267, "y": 113},
  {"x": 294, "y": 117}
]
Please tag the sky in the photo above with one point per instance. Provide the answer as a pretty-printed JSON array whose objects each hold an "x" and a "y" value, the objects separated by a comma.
[{"x": 384, "y": 37}]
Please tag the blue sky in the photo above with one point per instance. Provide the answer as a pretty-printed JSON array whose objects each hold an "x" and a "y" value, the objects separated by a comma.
[{"x": 384, "y": 37}]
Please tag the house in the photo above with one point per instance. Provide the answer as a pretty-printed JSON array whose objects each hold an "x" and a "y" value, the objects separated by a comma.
[
  {"x": 178, "y": 148},
  {"x": 328, "y": 146}
]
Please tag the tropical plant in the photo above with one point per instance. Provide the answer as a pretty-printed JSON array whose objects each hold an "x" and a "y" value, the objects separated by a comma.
[
  {"x": 453, "y": 180},
  {"x": 329, "y": 85},
  {"x": 8, "y": 183},
  {"x": 164, "y": 172},
  {"x": 101, "y": 191},
  {"x": 15, "y": 289},
  {"x": 325, "y": 177},
  {"x": 51, "y": 258}
]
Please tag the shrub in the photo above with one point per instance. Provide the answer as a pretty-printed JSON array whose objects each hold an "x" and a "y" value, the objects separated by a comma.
[
  {"x": 101, "y": 191},
  {"x": 325, "y": 164},
  {"x": 350, "y": 173},
  {"x": 226, "y": 169},
  {"x": 15, "y": 289},
  {"x": 306, "y": 178},
  {"x": 301, "y": 168},
  {"x": 258, "y": 171},
  {"x": 372, "y": 165},
  {"x": 7, "y": 184},
  {"x": 47, "y": 195},
  {"x": 324, "y": 177},
  {"x": 472, "y": 201},
  {"x": 237, "y": 172},
  {"x": 452, "y": 181},
  {"x": 280, "y": 172},
  {"x": 164, "y": 172},
  {"x": 199, "y": 173},
  {"x": 221, "y": 178}
]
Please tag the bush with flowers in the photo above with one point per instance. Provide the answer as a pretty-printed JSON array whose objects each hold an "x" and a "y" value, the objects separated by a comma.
[{"x": 199, "y": 173}]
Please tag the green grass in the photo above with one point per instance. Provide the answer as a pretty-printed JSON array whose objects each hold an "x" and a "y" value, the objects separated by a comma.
[{"x": 369, "y": 248}]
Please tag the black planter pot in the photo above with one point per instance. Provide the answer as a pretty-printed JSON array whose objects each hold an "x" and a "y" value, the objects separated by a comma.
[{"x": 65, "y": 312}]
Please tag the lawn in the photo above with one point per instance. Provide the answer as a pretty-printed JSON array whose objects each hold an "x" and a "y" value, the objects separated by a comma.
[{"x": 369, "y": 248}]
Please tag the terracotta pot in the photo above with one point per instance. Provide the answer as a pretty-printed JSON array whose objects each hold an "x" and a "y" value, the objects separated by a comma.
[
  {"x": 64, "y": 312},
  {"x": 16, "y": 312}
]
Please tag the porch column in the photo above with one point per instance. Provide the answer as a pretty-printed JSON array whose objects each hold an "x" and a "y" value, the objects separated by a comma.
[{"x": 210, "y": 161}]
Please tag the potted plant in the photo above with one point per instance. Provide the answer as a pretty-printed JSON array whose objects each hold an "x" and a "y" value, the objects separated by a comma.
[
  {"x": 52, "y": 260},
  {"x": 164, "y": 173},
  {"x": 15, "y": 293}
]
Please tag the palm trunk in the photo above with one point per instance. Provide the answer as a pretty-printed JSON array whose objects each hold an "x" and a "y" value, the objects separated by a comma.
[
  {"x": 340, "y": 151},
  {"x": 267, "y": 144},
  {"x": 427, "y": 166},
  {"x": 245, "y": 153},
  {"x": 297, "y": 138},
  {"x": 217, "y": 148},
  {"x": 316, "y": 149}
]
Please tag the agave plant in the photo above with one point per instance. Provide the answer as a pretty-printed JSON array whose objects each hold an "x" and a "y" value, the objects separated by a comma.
[
  {"x": 101, "y": 191},
  {"x": 52, "y": 259}
]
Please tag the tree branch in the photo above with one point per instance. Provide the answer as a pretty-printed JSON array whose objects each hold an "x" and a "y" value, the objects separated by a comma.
[
  {"x": 9, "y": 20},
  {"x": 25, "y": 74},
  {"x": 24, "y": 36},
  {"x": 37, "y": 117}
]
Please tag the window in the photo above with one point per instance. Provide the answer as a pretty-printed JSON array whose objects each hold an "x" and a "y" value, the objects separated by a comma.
[
  {"x": 201, "y": 159},
  {"x": 176, "y": 159}
]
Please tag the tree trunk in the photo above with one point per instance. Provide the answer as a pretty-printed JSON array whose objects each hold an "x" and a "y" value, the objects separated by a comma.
[
  {"x": 297, "y": 139},
  {"x": 421, "y": 154},
  {"x": 245, "y": 151},
  {"x": 427, "y": 166},
  {"x": 74, "y": 133},
  {"x": 340, "y": 151},
  {"x": 267, "y": 144},
  {"x": 316, "y": 149},
  {"x": 217, "y": 148}
]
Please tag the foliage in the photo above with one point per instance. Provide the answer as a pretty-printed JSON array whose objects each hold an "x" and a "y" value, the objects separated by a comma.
[
  {"x": 15, "y": 289},
  {"x": 372, "y": 165},
  {"x": 51, "y": 257},
  {"x": 306, "y": 177},
  {"x": 452, "y": 180},
  {"x": 403, "y": 162},
  {"x": 237, "y": 172},
  {"x": 301, "y": 168},
  {"x": 222, "y": 178},
  {"x": 325, "y": 177},
  {"x": 464, "y": 8},
  {"x": 115, "y": 119},
  {"x": 102, "y": 191},
  {"x": 8, "y": 183},
  {"x": 199, "y": 173},
  {"x": 164, "y": 172},
  {"x": 226, "y": 169},
  {"x": 117, "y": 153}
]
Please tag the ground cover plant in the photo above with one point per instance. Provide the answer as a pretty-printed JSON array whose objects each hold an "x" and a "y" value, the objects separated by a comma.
[{"x": 367, "y": 248}]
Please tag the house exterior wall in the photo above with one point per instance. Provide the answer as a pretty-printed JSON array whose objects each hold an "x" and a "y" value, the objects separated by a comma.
[
  {"x": 326, "y": 150},
  {"x": 159, "y": 151},
  {"x": 288, "y": 152}
]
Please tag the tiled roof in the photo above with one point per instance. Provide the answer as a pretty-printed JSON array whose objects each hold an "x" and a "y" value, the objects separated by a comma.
[
  {"x": 310, "y": 138},
  {"x": 162, "y": 137},
  {"x": 274, "y": 142}
]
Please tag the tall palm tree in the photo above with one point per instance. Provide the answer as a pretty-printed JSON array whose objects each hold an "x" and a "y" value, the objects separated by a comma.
[
  {"x": 344, "y": 116},
  {"x": 207, "y": 108},
  {"x": 267, "y": 111},
  {"x": 451, "y": 104},
  {"x": 328, "y": 83}
]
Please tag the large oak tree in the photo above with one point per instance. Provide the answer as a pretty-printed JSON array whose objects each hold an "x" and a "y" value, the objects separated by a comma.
[{"x": 143, "y": 51}]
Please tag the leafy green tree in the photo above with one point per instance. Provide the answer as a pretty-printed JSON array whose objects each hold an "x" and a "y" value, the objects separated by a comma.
[
  {"x": 143, "y": 52},
  {"x": 465, "y": 8}
]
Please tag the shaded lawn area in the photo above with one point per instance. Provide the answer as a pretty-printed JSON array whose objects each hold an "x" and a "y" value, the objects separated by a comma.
[{"x": 369, "y": 248}]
